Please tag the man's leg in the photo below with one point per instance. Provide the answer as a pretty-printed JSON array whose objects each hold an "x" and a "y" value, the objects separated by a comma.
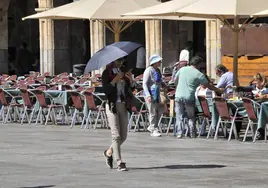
[
  {"x": 179, "y": 109},
  {"x": 190, "y": 112}
]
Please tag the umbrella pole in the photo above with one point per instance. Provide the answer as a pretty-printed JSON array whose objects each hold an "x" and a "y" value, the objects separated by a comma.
[
  {"x": 116, "y": 31},
  {"x": 235, "y": 50}
]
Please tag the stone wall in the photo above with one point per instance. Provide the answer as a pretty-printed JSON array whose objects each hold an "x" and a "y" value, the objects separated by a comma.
[
  {"x": 4, "y": 36},
  {"x": 174, "y": 36},
  {"x": 69, "y": 46}
]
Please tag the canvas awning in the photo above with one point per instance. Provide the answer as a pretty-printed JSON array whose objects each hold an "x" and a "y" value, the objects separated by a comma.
[
  {"x": 217, "y": 9},
  {"x": 107, "y": 11}
]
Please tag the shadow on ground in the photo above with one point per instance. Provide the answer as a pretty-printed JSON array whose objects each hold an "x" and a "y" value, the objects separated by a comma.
[
  {"x": 174, "y": 167},
  {"x": 40, "y": 186}
]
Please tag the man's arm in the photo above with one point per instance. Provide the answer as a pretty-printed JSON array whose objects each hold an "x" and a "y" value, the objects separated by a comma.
[
  {"x": 212, "y": 87},
  {"x": 176, "y": 79}
]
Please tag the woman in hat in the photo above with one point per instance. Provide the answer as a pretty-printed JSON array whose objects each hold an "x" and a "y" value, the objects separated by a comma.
[{"x": 152, "y": 81}]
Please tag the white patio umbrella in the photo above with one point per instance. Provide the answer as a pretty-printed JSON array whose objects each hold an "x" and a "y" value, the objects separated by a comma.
[
  {"x": 218, "y": 9},
  {"x": 107, "y": 11}
]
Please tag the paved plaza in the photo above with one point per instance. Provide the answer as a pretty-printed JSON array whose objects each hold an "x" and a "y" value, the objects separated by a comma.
[{"x": 57, "y": 156}]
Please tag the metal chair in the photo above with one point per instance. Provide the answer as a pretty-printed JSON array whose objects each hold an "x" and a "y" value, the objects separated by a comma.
[
  {"x": 8, "y": 104},
  {"x": 78, "y": 104},
  {"x": 50, "y": 107},
  {"x": 225, "y": 117},
  {"x": 252, "y": 109},
  {"x": 28, "y": 105},
  {"x": 206, "y": 114},
  {"x": 93, "y": 108},
  {"x": 138, "y": 110}
]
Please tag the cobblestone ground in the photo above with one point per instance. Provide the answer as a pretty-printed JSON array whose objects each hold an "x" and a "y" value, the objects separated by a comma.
[{"x": 57, "y": 156}]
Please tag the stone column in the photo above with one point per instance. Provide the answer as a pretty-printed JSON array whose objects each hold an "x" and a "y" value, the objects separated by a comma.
[
  {"x": 97, "y": 39},
  {"x": 4, "y": 36},
  {"x": 213, "y": 45},
  {"x": 153, "y": 33},
  {"x": 46, "y": 29}
]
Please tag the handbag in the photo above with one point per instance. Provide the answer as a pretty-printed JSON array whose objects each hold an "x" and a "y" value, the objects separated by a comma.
[
  {"x": 163, "y": 96},
  {"x": 163, "y": 99}
]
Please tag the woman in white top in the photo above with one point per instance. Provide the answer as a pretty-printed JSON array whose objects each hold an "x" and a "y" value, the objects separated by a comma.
[{"x": 204, "y": 91}]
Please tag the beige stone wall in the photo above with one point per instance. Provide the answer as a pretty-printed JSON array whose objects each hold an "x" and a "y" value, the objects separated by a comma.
[
  {"x": 213, "y": 45},
  {"x": 174, "y": 36},
  {"x": 153, "y": 37},
  {"x": 46, "y": 29},
  {"x": 4, "y": 36}
]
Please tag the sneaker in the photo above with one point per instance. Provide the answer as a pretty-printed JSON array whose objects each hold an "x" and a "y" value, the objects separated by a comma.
[
  {"x": 155, "y": 133},
  {"x": 109, "y": 159},
  {"x": 179, "y": 135},
  {"x": 192, "y": 135},
  {"x": 122, "y": 167},
  {"x": 259, "y": 136},
  {"x": 150, "y": 129}
]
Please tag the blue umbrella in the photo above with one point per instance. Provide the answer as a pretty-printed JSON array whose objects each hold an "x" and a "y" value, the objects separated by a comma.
[{"x": 109, "y": 54}]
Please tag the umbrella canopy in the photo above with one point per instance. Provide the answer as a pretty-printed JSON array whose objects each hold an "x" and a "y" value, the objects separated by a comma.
[
  {"x": 204, "y": 8},
  {"x": 109, "y": 54},
  {"x": 101, "y": 10},
  {"x": 219, "y": 9}
]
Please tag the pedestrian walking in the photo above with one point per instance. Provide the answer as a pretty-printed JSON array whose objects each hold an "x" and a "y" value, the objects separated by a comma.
[{"x": 117, "y": 82}]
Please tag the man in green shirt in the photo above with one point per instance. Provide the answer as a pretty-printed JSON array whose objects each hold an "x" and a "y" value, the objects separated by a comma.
[{"x": 187, "y": 80}]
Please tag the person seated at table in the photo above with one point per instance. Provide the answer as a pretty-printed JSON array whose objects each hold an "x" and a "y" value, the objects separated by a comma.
[
  {"x": 257, "y": 86},
  {"x": 226, "y": 78},
  {"x": 203, "y": 90}
]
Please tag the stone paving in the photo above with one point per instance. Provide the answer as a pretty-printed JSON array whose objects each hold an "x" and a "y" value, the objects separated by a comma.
[{"x": 57, "y": 156}]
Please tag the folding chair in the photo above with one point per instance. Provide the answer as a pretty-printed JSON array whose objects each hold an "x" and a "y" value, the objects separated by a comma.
[
  {"x": 165, "y": 115},
  {"x": 13, "y": 78},
  {"x": 138, "y": 111},
  {"x": 169, "y": 112},
  {"x": 55, "y": 87},
  {"x": 87, "y": 75},
  {"x": 225, "y": 117},
  {"x": 252, "y": 109},
  {"x": 77, "y": 100},
  {"x": 80, "y": 88},
  {"x": 28, "y": 105},
  {"x": 46, "y": 74},
  {"x": 8, "y": 105},
  {"x": 70, "y": 82},
  {"x": 66, "y": 87},
  {"x": 206, "y": 114},
  {"x": 40, "y": 79},
  {"x": 93, "y": 108},
  {"x": 64, "y": 74},
  {"x": 82, "y": 81},
  {"x": 50, "y": 107}
]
